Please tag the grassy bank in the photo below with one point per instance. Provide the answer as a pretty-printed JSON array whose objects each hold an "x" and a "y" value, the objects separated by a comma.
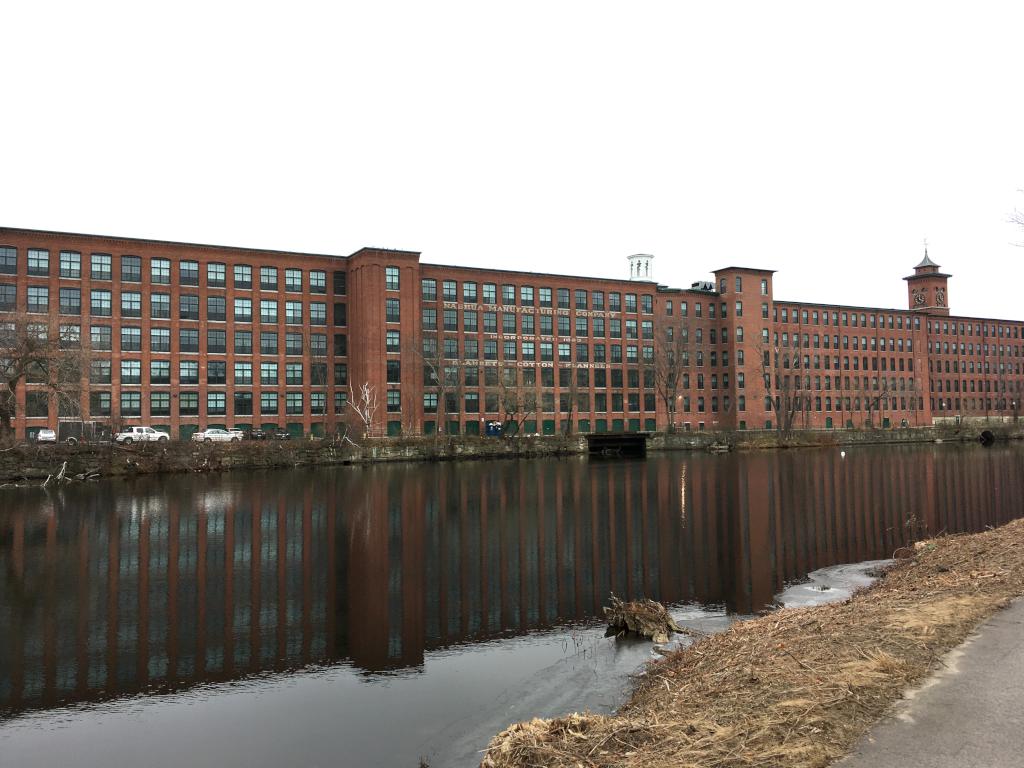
[
  {"x": 32, "y": 464},
  {"x": 796, "y": 687}
]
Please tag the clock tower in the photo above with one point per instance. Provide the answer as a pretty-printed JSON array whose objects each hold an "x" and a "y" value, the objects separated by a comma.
[{"x": 926, "y": 288}]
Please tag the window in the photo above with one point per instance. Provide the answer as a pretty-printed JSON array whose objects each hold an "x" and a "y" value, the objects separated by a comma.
[
  {"x": 647, "y": 304},
  {"x": 428, "y": 289},
  {"x": 160, "y": 339},
  {"x": 160, "y": 306},
  {"x": 216, "y": 308},
  {"x": 340, "y": 345},
  {"x": 160, "y": 372},
  {"x": 268, "y": 343},
  {"x": 188, "y": 404},
  {"x": 131, "y": 403},
  {"x": 160, "y": 271},
  {"x": 216, "y": 404},
  {"x": 490, "y": 293},
  {"x": 243, "y": 310},
  {"x": 268, "y": 311},
  {"x": 70, "y": 264},
  {"x": 188, "y": 340},
  {"x": 243, "y": 276},
  {"x": 131, "y": 304},
  {"x": 188, "y": 307},
  {"x": 392, "y": 312},
  {"x": 318, "y": 281},
  {"x": 449, "y": 290},
  {"x": 243, "y": 404},
  {"x": 268, "y": 373},
  {"x": 631, "y": 302},
  {"x": 614, "y": 302},
  {"x": 8, "y": 260},
  {"x": 70, "y": 300},
  {"x": 268, "y": 278},
  {"x": 391, "y": 278},
  {"x": 394, "y": 372},
  {"x": 544, "y": 297},
  {"x": 215, "y": 275},
  {"x": 469, "y": 292},
  {"x": 131, "y": 372},
  {"x": 340, "y": 314},
  {"x": 293, "y": 344},
  {"x": 188, "y": 272},
  {"x": 340, "y": 282},
  {"x": 131, "y": 339},
  {"x": 268, "y": 403},
  {"x": 293, "y": 403},
  {"x": 39, "y": 262},
  {"x": 508, "y": 322},
  {"x": 39, "y": 299},
  {"x": 243, "y": 342},
  {"x": 188, "y": 372},
  {"x": 100, "y": 337},
  {"x": 216, "y": 372},
  {"x": 317, "y": 313},
  {"x": 526, "y": 295},
  {"x": 216, "y": 341},
  {"x": 99, "y": 372},
  {"x": 8, "y": 297},
  {"x": 293, "y": 312},
  {"x": 293, "y": 280},
  {"x": 293, "y": 373},
  {"x": 563, "y": 298},
  {"x": 764, "y": 287},
  {"x": 430, "y": 402}
]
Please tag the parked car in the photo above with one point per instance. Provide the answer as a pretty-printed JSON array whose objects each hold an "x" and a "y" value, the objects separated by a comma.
[
  {"x": 141, "y": 435},
  {"x": 270, "y": 434},
  {"x": 46, "y": 436},
  {"x": 241, "y": 434},
  {"x": 216, "y": 435}
]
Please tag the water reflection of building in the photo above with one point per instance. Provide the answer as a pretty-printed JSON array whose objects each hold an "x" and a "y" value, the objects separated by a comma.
[{"x": 165, "y": 583}]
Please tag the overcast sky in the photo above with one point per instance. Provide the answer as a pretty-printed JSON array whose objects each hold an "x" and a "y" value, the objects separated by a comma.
[{"x": 820, "y": 139}]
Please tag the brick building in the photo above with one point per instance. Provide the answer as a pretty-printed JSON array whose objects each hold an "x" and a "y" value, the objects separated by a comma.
[{"x": 184, "y": 336}]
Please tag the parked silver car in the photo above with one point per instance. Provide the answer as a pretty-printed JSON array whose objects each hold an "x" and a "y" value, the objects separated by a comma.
[
  {"x": 46, "y": 436},
  {"x": 216, "y": 435}
]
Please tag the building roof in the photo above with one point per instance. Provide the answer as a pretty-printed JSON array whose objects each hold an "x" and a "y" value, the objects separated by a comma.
[{"x": 926, "y": 262}]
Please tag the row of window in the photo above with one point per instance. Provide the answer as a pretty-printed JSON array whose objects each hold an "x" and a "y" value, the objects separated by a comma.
[
  {"x": 37, "y": 404},
  {"x": 948, "y": 328},
  {"x": 101, "y": 268},
  {"x": 544, "y": 297},
  {"x": 216, "y": 373},
  {"x": 470, "y": 402},
  {"x": 874, "y": 343},
  {"x": 837, "y": 318},
  {"x": 969, "y": 366},
  {"x": 101, "y": 339},
  {"x": 101, "y": 305},
  {"x": 1001, "y": 350},
  {"x": 972, "y": 385},
  {"x": 530, "y": 325}
]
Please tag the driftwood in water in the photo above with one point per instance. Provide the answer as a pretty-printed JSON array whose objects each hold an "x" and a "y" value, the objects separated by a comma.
[{"x": 645, "y": 617}]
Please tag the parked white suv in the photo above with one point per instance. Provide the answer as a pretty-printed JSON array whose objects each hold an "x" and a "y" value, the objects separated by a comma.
[{"x": 141, "y": 435}]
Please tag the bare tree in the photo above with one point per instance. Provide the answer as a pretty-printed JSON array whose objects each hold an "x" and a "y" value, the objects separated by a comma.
[
  {"x": 46, "y": 353},
  {"x": 667, "y": 365},
  {"x": 363, "y": 402},
  {"x": 443, "y": 375},
  {"x": 517, "y": 400},
  {"x": 782, "y": 385}
]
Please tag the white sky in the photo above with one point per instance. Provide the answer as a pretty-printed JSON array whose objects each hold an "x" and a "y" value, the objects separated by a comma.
[{"x": 820, "y": 139}]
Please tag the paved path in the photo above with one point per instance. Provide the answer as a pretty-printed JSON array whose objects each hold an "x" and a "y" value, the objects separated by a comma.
[{"x": 970, "y": 715}]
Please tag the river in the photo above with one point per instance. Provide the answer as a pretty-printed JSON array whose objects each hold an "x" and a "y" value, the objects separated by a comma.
[{"x": 377, "y": 616}]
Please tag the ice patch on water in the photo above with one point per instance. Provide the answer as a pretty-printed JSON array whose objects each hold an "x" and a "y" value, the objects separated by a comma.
[{"x": 827, "y": 585}]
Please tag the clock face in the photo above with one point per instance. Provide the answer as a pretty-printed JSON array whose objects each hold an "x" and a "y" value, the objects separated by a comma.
[{"x": 918, "y": 296}]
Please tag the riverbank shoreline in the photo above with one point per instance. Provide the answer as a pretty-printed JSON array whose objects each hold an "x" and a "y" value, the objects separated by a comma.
[
  {"x": 798, "y": 686},
  {"x": 30, "y": 464}
]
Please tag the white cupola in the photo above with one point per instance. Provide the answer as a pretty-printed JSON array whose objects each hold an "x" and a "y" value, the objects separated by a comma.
[{"x": 640, "y": 266}]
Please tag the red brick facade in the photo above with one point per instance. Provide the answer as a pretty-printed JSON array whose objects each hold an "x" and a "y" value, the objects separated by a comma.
[{"x": 187, "y": 336}]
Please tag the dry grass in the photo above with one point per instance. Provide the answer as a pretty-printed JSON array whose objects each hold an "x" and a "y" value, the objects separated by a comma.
[{"x": 796, "y": 687}]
